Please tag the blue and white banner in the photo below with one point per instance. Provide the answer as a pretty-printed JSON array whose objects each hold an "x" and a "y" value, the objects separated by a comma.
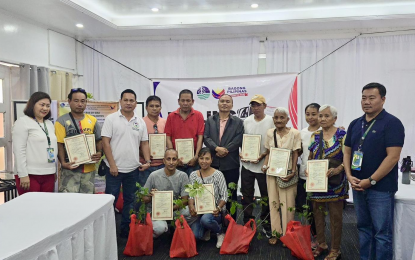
[{"x": 279, "y": 90}]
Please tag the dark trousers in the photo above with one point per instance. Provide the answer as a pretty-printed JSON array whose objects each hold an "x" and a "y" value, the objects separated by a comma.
[
  {"x": 248, "y": 191},
  {"x": 301, "y": 200},
  {"x": 232, "y": 176},
  {"x": 113, "y": 186},
  {"x": 336, "y": 222}
]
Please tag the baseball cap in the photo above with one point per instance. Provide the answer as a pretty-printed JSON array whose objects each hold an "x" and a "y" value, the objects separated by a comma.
[{"x": 258, "y": 98}]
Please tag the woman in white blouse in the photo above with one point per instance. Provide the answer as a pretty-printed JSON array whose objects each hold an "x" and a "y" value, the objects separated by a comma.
[
  {"x": 35, "y": 147},
  {"x": 210, "y": 221}
]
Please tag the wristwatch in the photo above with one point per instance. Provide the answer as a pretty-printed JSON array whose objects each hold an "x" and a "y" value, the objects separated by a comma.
[
  {"x": 372, "y": 181},
  {"x": 149, "y": 162},
  {"x": 264, "y": 167}
]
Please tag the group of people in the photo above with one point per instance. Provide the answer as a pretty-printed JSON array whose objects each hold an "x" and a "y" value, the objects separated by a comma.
[{"x": 365, "y": 156}]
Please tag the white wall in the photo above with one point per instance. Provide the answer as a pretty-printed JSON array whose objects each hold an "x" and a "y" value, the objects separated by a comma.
[{"x": 27, "y": 42}]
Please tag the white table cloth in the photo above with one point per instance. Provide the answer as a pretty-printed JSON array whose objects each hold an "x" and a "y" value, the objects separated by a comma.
[
  {"x": 404, "y": 223},
  {"x": 54, "y": 226}
]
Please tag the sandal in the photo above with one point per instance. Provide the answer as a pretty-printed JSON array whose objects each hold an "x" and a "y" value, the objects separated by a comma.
[
  {"x": 319, "y": 250},
  {"x": 273, "y": 240},
  {"x": 334, "y": 255}
]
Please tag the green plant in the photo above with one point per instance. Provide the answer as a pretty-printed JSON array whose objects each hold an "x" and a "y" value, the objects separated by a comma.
[
  {"x": 89, "y": 96},
  {"x": 304, "y": 213},
  {"x": 139, "y": 196},
  {"x": 180, "y": 204}
]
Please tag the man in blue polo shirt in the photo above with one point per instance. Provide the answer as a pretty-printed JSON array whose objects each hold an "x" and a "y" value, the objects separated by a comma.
[{"x": 372, "y": 150}]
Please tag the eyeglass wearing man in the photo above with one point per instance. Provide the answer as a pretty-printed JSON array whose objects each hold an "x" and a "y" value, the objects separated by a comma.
[
  {"x": 371, "y": 165},
  {"x": 155, "y": 125},
  {"x": 123, "y": 134},
  {"x": 185, "y": 123},
  {"x": 77, "y": 178}
]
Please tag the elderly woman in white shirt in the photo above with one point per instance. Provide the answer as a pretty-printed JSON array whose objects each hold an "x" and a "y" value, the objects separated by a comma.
[
  {"x": 35, "y": 147},
  {"x": 282, "y": 190}
]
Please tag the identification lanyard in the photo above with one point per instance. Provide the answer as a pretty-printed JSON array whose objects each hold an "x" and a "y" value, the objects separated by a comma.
[
  {"x": 45, "y": 130},
  {"x": 364, "y": 134}
]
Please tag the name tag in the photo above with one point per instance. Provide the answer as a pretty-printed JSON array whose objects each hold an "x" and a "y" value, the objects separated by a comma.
[
  {"x": 357, "y": 160},
  {"x": 51, "y": 155}
]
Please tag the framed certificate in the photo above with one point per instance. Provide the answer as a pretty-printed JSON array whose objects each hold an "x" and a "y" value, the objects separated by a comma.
[
  {"x": 162, "y": 205},
  {"x": 91, "y": 144},
  {"x": 317, "y": 180},
  {"x": 186, "y": 149},
  {"x": 77, "y": 149},
  {"x": 157, "y": 145},
  {"x": 206, "y": 202},
  {"x": 278, "y": 162},
  {"x": 251, "y": 146}
]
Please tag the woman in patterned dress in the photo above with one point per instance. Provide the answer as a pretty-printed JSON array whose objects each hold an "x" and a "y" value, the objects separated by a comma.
[{"x": 333, "y": 139}]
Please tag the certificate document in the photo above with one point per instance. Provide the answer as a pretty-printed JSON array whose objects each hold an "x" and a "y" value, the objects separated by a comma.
[
  {"x": 91, "y": 144},
  {"x": 206, "y": 202},
  {"x": 157, "y": 145},
  {"x": 251, "y": 146},
  {"x": 162, "y": 205},
  {"x": 317, "y": 175},
  {"x": 186, "y": 149},
  {"x": 278, "y": 162},
  {"x": 77, "y": 149}
]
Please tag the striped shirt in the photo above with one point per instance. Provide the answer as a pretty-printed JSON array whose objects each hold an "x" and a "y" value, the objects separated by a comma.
[{"x": 218, "y": 181}]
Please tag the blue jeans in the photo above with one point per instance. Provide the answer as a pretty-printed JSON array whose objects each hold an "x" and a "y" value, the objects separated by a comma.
[
  {"x": 207, "y": 221},
  {"x": 188, "y": 169},
  {"x": 113, "y": 185},
  {"x": 374, "y": 211}
]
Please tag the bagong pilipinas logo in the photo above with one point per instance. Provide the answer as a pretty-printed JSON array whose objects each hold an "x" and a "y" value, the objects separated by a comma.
[
  {"x": 217, "y": 93},
  {"x": 203, "y": 93}
]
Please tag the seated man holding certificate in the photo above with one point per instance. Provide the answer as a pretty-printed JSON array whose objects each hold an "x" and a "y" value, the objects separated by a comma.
[
  {"x": 77, "y": 178},
  {"x": 328, "y": 144},
  {"x": 216, "y": 199},
  {"x": 167, "y": 179},
  {"x": 283, "y": 144}
]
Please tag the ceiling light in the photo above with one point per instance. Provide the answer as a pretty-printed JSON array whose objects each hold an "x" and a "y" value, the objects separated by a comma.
[
  {"x": 254, "y": 5},
  {"x": 10, "y": 28},
  {"x": 79, "y": 25},
  {"x": 154, "y": 9},
  {"x": 8, "y": 64}
]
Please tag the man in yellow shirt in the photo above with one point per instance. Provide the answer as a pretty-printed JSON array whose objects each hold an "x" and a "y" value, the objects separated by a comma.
[{"x": 78, "y": 179}]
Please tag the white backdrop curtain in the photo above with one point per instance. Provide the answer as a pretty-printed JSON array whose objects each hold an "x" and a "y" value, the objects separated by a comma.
[
  {"x": 164, "y": 59},
  {"x": 33, "y": 79},
  {"x": 338, "y": 80}
]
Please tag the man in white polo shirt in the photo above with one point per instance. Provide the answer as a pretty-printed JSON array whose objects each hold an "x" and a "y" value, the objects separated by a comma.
[{"x": 123, "y": 133}]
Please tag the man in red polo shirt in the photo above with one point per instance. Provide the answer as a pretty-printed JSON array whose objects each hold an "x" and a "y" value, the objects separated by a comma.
[{"x": 186, "y": 123}]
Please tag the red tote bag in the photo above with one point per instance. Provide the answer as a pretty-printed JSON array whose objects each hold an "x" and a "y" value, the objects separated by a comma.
[
  {"x": 140, "y": 239},
  {"x": 184, "y": 241},
  {"x": 298, "y": 240},
  {"x": 238, "y": 237}
]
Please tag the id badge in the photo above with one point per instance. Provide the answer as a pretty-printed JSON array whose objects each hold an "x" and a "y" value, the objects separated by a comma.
[
  {"x": 51, "y": 155},
  {"x": 357, "y": 160}
]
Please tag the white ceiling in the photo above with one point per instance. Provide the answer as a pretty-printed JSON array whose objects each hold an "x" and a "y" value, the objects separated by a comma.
[{"x": 116, "y": 19}]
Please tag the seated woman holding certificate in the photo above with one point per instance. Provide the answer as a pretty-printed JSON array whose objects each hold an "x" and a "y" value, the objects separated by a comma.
[
  {"x": 215, "y": 199},
  {"x": 328, "y": 144},
  {"x": 280, "y": 165}
]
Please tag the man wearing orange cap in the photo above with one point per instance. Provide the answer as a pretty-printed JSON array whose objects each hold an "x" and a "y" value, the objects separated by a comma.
[{"x": 256, "y": 124}]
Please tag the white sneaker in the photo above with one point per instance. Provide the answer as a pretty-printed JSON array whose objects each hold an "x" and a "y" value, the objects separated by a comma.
[
  {"x": 221, "y": 237},
  {"x": 206, "y": 235}
]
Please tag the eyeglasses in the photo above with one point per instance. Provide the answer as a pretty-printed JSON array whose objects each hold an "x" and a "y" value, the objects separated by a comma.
[
  {"x": 156, "y": 131},
  {"x": 78, "y": 90}
]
